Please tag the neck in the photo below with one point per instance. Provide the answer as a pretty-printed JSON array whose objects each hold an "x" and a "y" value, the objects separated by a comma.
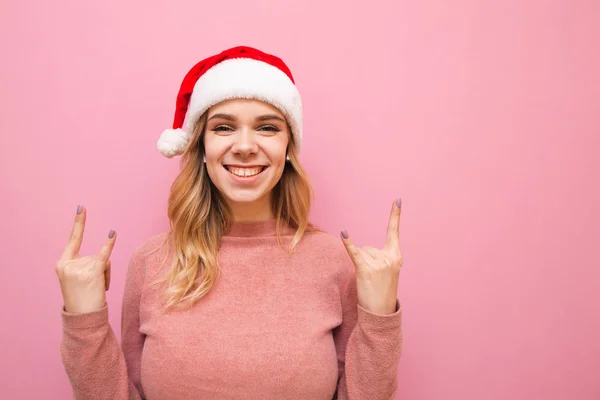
[{"x": 259, "y": 210}]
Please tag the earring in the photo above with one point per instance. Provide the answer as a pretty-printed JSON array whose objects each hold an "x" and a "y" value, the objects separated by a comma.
[
  {"x": 287, "y": 158},
  {"x": 204, "y": 156}
]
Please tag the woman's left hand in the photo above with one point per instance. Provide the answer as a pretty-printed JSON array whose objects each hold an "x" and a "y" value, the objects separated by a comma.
[{"x": 378, "y": 271}]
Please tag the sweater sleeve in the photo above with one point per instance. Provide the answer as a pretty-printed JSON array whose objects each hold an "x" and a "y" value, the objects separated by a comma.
[
  {"x": 97, "y": 367},
  {"x": 368, "y": 347}
]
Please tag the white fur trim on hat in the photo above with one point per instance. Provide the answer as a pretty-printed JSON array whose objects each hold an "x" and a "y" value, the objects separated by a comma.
[
  {"x": 246, "y": 78},
  {"x": 172, "y": 142}
]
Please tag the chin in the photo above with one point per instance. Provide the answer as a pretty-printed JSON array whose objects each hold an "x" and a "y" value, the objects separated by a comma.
[{"x": 243, "y": 196}]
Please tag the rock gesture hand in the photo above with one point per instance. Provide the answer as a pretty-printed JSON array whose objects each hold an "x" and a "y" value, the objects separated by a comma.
[{"x": 378, "y": 270}]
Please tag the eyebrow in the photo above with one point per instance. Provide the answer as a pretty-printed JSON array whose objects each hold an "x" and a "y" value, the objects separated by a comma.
[{"x": 266, "y": 117}]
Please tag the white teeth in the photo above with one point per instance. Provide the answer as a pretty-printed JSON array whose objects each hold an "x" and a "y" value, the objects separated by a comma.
[{"x": 245, "y": 171}]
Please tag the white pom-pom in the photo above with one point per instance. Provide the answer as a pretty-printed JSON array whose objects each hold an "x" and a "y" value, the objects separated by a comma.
[{"x": 172, "y": 142}]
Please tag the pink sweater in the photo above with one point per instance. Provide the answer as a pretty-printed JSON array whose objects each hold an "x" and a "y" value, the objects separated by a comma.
[{"x": 273, "y": 327}]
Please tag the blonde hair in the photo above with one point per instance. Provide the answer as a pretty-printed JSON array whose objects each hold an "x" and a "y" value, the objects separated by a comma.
[{"x": 199, "y": 217}]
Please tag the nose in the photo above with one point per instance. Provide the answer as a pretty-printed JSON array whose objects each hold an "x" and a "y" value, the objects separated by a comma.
[{"x": 244, "y": 143}]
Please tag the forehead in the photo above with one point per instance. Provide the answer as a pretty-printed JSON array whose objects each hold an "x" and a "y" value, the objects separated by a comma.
[{"x": 244, "y": 108}]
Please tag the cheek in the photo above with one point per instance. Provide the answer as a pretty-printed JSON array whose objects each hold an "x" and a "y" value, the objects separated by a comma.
[
  {"x": 213, "y": 165},
  {"x": 214, "y": 149},
  {"x": 215, "y": 170},
  {"x": 278, "y": 162},
  {"x": 276, "y": 149}
]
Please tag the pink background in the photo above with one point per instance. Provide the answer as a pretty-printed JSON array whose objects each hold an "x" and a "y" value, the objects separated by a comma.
[{"x": 482, "y": 115}]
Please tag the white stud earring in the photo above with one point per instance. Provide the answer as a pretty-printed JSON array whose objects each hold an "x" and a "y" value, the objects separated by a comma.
[
  {"x": 204, "y": 156},
  {"x": 287, "y": 158}
]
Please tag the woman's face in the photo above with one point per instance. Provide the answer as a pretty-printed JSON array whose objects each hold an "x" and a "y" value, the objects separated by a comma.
[{"x": 246, "y": 144}]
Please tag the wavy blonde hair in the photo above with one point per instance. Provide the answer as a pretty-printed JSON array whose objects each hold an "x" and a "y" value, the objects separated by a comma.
[{"x": 199, "y": 217}]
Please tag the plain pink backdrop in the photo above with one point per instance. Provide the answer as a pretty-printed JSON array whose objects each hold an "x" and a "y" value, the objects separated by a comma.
[{"x": 482, "y": 115}]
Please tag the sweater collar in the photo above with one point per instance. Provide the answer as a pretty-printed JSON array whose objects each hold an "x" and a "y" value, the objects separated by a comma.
[{"x": 267, "y": 228}]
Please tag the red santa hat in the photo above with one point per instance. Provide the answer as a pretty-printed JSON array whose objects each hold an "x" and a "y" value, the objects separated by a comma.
[{"x": 239, "y": 72}]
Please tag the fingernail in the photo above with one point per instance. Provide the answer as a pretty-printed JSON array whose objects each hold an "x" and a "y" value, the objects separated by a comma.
[
  {"x": 79, "y": 209},
  {"x": 398, "y": 202},
  {"x": 111, "y": 234},
  {"x": 344, "y": 234}
]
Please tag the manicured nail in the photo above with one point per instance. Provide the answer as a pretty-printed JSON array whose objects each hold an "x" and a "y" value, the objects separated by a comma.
[
  {"x": 344, "y": 234},
  {"x": 398, "y": 202},
  {"x": 79, "y": 209},
  {"x": 111, "y": 234}
]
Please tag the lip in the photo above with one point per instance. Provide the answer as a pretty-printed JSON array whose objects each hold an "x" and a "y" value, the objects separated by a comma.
[
  {"x": 245, "y": 165},
  {"x": 246, "y": 180}
]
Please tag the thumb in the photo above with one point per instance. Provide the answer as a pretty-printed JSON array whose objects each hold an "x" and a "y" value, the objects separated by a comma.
[{"x": 351, "y": 249}]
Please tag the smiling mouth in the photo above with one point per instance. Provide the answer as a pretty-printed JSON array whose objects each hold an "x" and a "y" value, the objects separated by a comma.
[{"x": 244, "y": 172}]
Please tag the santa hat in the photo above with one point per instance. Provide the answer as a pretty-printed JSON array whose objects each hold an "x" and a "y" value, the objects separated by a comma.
[{"x": 239, "y": 72}]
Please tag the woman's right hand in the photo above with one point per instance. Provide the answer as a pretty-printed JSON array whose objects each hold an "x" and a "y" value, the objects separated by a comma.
[{"x": 84, "y": 280}]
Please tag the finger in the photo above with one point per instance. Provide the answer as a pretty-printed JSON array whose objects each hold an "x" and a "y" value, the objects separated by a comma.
[
  {"x": 372, "y": 251},
  {"x": 393, "y": 229},
  {"x": 365, "y": 256},
  {"x": 107, "y": 275},
  {"x": 352, "y": 250},
  {"x": 109, "y": 244},
  {"x": 74, "y": 243}
]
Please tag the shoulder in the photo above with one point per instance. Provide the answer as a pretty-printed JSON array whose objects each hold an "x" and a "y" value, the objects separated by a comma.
[
  {"x": 150, "y": 245},
  {"x": 324, "y": 242},
  {"x": 153, "y": 250},
  {"x": 327, "y": 250}
]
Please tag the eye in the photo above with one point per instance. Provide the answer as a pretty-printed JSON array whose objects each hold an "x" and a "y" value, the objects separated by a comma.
[
  {"x": 269, "y": 128},
  {"x": 222, "y": 128}
]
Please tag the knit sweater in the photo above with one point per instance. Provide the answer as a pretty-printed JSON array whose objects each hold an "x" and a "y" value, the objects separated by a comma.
[{"x": 274, "y": 326}]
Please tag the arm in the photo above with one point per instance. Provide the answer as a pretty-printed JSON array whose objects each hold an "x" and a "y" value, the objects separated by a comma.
[
  {"x": 96, "y": 365},
  {"x": 368, "y": 346}
]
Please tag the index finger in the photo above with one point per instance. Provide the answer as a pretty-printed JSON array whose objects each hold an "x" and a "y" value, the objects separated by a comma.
[
  {"x": 393, "y": 229},
  {"x": 74, "y": 243},
  {"x": 109, "y": 244}
]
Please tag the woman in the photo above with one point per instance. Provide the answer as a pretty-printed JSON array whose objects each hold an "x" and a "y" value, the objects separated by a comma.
[{"x": 243, "y": 298}]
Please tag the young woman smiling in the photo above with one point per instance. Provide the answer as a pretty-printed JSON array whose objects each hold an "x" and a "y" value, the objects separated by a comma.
[{"x": 242, "y": 298}]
